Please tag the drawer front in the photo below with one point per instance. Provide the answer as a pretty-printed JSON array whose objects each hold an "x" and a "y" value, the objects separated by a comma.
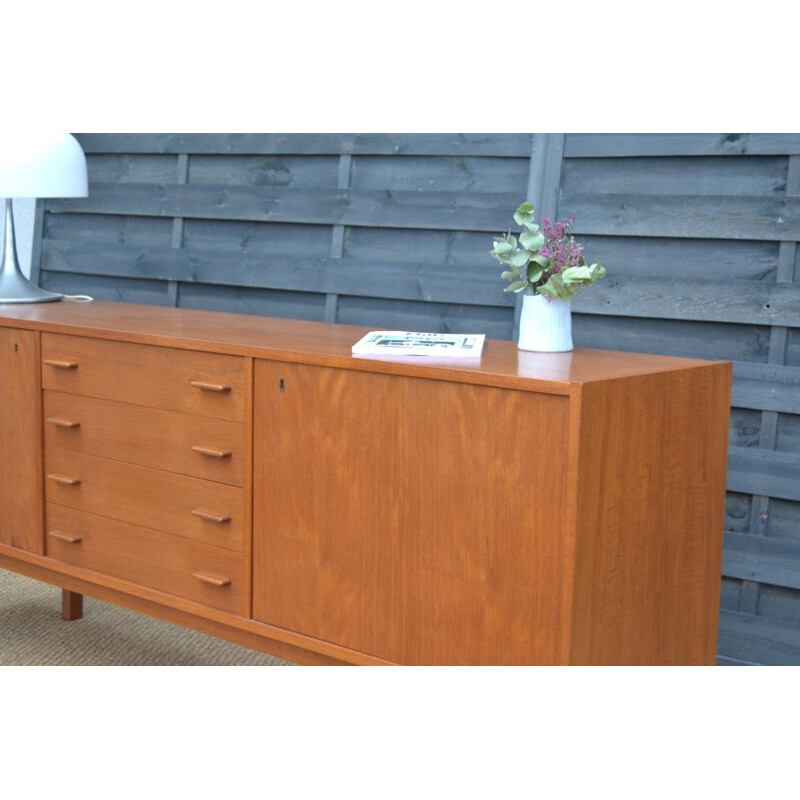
[
  {"x": 189, "y": 445},
  {"x": 206, "y": 511},
  {"x": 182, "y": 567},
  {"x": 179, "y": 380}
]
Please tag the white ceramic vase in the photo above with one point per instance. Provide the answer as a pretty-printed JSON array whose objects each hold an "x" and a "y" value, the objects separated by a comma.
[{"x": 545, "y": 325}]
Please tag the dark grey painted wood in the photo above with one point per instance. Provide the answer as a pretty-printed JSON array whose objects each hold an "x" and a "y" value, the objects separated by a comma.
[
  {"x": 245, "y": 300},
  {"x": 116, "y": 288},
  {"x": 768, "y": 387},
  {"x": 764, "y": 472},
  {"x": 687, "y": 259},
  {"x": 440, "y": 174},
  {"x": 36, "y": 250},
  {"x": 758, "y": 640},
  {"x": 720, "y": 341},
  {"x": 743, "y": 176},
  {"x": 320, "y": 274},
  {"x": 779, "y": 603},
  {"x": 393, "y": 144},
  {"x": 125, "y": 168},
  {"x": 628, "y": 145},
  {"x": 300, "y": 172},
  {"x": 436, "y": 317},
  {"x": 754, "y": 302},
  {"x": 438, "y": 210},
  {"x": 759, "y": 558},
  {"x": 697, "y": 216}
]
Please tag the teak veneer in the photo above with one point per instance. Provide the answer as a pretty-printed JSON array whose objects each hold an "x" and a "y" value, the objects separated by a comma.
[{"x": 250, "y": 478}]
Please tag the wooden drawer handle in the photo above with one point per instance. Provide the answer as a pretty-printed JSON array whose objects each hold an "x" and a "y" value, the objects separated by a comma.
[
  {"x": 64, "y": 537},
  {"x": 210, "y": 515},
  {"x": 212, "y": 580},
  {"x": 211, "y": 387},
  {"x": 211, "y": 451},
  {"x": 64, "y": 480},
  {"x": 52, "y": 362},
  {"x": 64, "y": 423}
]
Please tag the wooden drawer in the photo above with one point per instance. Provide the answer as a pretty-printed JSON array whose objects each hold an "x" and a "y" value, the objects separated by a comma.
[
  {"x": 180, "y": 380},
  {"x": 192, "y": 570},
  {"x": 189, "y": 445},
  {"x": 207, "y": 511}
]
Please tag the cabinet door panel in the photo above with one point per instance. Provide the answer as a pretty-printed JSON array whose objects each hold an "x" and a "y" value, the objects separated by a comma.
[
  {"x": 416, "y": 520},
  {"x": 21, "y": 509}
]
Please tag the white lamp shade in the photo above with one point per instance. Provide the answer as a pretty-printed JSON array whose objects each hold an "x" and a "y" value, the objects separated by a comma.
[{"x": 42, "y": 165}]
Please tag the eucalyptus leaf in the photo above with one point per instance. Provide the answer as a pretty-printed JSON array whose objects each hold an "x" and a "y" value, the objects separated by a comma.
[
  {"x": 531, "y": 240},
  {"x": 548, "y": 289},
  {"x": 520, "y": 258},
  {"x": 517, "y": 286},
  {"x": 525, "y": 211},
  {"x": 576, "y": 275},
  {"x": 504, "y": 247},
  {"x": 508, "y": 275},
  {"x": 555, "y": 289},
  {"x": 598, "y": 271},
  {"x": 534, "y": 272}
]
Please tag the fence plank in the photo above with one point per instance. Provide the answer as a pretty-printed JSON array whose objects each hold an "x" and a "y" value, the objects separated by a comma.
[
  {"x": 759, "y": 558},
  {"x": 719, "y": 341},
  {"x": 606, "y": 145},
  {"x": 698, "y": 216},
  {"x": 435, "y": 210},
  {"x": 318, "y": 274},
  {"x": 754, "y": 302},
  {"x": 764, "y": 472},
  {"x": 434, "y": 144},
  {"x": 757, "y": 175},
  {"x": 767, "y": 387},
  {"x": 758, "y": 640},
  {"x": 690, "y": 259}
]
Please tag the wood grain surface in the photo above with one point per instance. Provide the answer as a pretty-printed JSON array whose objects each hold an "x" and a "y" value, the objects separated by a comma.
[
  {"x": 144, "y": 375},
  {"x": 148, "y": 497},
  {"x": 142, "y": 555},
  {"x": 148, "y": 437},
  {"x": 21, "y": 517},
  {"x": 650, "y": 518},
  {"x": 71, "y": 605},
  {"x": 170, "y": 607},
  {"x": 417, "y": 521},
  {"x": 502, "y": 364}
]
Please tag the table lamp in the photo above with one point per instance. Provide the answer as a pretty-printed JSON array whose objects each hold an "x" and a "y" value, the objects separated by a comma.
[{"x": 35, "y": 165}]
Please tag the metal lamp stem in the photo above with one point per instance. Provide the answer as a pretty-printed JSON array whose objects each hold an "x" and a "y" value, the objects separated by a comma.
[{"x": 14, "y": 286}]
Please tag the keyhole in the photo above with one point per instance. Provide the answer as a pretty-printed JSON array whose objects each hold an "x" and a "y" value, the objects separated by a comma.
[
  {"x": 281, "y": 384},
  {"x": 16, "y": 347}
]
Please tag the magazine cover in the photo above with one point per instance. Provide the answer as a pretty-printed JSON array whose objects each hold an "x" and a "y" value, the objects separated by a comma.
[{"x": 408, "y": 343}]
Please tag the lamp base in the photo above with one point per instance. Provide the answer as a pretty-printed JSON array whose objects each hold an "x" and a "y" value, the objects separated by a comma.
[{"x": 14, "y": 286}]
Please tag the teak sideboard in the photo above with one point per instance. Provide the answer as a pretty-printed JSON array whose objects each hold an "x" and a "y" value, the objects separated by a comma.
[{"x": 248, "y": 477}]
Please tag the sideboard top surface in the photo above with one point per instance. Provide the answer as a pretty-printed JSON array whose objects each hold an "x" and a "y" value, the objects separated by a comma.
[{"x": 327, "y": 344}]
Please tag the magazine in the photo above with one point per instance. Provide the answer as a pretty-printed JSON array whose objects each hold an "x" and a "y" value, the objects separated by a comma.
[{"x": 408, "y": 343}]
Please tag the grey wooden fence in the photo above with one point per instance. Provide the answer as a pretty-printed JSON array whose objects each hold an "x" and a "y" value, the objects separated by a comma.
[{"x": 699, "y": 233}]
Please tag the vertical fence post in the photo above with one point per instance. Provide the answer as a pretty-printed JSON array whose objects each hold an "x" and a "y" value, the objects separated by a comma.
[{"x": 544, "y": 184}]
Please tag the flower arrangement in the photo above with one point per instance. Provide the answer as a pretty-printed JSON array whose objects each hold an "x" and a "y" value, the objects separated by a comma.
[{"x": 546, "y": 261}]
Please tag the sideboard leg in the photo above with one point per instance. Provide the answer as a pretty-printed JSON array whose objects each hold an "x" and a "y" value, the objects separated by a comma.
[{"x": 71, "y": 605}]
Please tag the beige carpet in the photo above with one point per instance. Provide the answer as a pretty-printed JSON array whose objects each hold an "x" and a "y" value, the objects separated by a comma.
[{"x": 32, "y": 633}]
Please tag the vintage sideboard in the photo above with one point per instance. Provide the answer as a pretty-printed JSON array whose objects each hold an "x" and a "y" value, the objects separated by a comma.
[{"x": 248, "y": 477}]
